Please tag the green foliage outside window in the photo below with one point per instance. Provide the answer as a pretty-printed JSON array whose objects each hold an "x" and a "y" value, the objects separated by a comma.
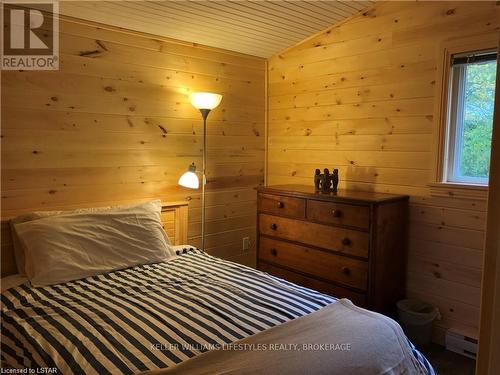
[{"x": 478, "y": 119}]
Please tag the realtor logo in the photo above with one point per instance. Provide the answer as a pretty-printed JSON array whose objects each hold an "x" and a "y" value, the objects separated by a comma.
[{"x": 30, "y": 39}]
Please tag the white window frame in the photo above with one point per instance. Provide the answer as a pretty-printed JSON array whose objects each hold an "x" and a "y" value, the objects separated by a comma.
[
  {"x": 456, "y": 87},
  {"x": 439, "y": 185}
]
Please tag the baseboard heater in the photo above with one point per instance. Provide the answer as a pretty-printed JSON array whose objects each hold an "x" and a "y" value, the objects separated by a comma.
[{"x": 459, "y": 343}]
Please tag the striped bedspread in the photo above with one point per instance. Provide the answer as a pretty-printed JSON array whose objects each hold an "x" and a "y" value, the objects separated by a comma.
[{"x": 146, "y": 317}]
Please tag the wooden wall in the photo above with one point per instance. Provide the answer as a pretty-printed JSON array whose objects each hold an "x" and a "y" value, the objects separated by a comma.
[
  {"x": 488, "y": 361},
  {"x": 114, "y": 124},
  {"x": 361, "y": 97}
]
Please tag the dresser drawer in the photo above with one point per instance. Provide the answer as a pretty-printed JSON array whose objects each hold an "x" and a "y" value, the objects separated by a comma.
[
  {"x": 338, "y": 239},
  {"x": 333, "y": 290},
  {"x": 316, "y": 263},
  {"x": 338, "y": 213},
  {"x": 280, "y": 205}
]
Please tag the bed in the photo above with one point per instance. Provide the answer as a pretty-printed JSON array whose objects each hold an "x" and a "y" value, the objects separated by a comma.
[{"x": 194, "y": 313}]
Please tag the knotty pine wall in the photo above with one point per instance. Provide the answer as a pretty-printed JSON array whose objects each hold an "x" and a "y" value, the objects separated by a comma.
[
  {"x": 360, "y": 97},
  {"x": 114, "y": 124}
]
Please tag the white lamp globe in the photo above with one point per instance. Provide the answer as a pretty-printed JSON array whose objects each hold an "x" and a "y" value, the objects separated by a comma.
[
  {"x": 205, "y": 100},
  {"x": 190, "y": 179}
]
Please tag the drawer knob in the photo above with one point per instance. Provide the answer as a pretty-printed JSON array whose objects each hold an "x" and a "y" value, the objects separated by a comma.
[
  {"x": 274, "y": 226},
  {"x": 336, "y": 213},
  {"x": 274, "y": 252},
  {"x": 280, "y": 205},
  {"x": 346, "y": 241},
  {"x": 346, "y": 271}
]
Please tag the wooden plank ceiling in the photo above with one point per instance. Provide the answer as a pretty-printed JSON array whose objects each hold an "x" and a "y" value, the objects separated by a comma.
[{"x": 258, "y": 28}]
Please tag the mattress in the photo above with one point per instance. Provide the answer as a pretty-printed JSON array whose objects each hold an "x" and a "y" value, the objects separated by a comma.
[{"x": 147, "y": 317}]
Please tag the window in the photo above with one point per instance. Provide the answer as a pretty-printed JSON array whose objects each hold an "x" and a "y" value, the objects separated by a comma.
[{"x": 471, "y": 97}]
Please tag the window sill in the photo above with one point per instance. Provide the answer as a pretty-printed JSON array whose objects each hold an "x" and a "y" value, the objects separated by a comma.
[{"x": 461, "y": 191}]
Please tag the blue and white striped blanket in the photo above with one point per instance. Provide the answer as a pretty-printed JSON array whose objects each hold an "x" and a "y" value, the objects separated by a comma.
[{"x": 146, "y": 317}]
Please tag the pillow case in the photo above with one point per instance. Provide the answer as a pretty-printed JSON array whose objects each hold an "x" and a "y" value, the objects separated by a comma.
[
  {"x": 67, "y": 247},
  {"x": 12, "y": 281},
  {"x": 17, "y": 244}
]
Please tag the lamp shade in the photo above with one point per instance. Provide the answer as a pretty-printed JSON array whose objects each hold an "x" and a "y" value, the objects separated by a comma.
[
  {"x": 205, "y": 100},
  {"x": 189, "y": 179}
]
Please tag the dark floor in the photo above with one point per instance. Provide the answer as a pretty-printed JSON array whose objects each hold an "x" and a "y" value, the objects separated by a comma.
[{"x": 448, "y": 363}]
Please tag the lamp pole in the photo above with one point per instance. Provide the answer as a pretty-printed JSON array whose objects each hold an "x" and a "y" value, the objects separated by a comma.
[
  {"x": 204, "y": 102},
  {"x": 204, "y": 114}
]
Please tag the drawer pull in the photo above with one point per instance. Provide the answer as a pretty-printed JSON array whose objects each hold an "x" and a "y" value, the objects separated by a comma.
[
  {"x": 346, "y": 271},
  {"x": 346, "y": 241},
  {"x": 274, "y": 226},
  {"x": 280, "y": 205},
  {"x": 336, "y": 213},
  {"x": 274, "y": 252}
]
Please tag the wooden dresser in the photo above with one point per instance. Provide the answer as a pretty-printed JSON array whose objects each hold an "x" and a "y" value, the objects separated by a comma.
[{"x": 350, "y": 244}]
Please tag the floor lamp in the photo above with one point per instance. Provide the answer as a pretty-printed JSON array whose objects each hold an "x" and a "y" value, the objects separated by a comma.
[{"x": 204, "y": 102}]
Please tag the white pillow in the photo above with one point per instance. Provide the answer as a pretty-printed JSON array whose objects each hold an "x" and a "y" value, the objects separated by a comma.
[
  {"x": 17, "y": 244},
  {"x": 67, "y": 247}
]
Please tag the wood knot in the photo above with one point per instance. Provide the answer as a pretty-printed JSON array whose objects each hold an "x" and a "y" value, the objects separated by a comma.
[
  {"x": 94, "y": 53},
  {"x": 109, "y": 89},
  {"x": 54, "y": 98},
  {"x": 101, "y": 44},
  {"x": 450, "y": 12},
  {"x": 163, "y": 130}
]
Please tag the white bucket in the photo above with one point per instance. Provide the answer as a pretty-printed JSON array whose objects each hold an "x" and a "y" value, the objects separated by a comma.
[{"x": 416, "y": 318}]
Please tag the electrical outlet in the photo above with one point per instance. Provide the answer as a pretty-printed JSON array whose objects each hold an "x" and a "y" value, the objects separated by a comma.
[{"x": 246, "y": 243}]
